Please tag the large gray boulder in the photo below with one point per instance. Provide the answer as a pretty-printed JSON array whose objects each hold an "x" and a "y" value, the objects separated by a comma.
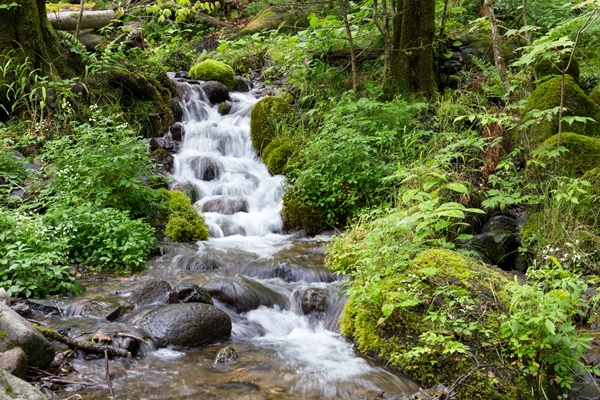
[
  {"x": 17, "y": 332},
  {"x": 188, "y": 325},
  {"x": 12, "y": 387}
]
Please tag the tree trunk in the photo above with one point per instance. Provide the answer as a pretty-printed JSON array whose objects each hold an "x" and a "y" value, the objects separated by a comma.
[
  {"x": 26, "y": 30},
  {"x": 409, "y": 63},
  {"x": 67, "y": 20}
]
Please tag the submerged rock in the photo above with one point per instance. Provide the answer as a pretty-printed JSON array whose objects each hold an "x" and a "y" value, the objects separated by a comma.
[
  {"x": 206, "y": 168},
  {"x": 188, "y": 325},
  {"x": 225, "y": 355},
  {"x": 17, "y": 332},
  {"x": 110, "y": 311},
  {"x": 199, "y": 262},
  {"x": 215, "y": 91},
  {"x": 244, "y": 294},
  {"x": 227, "y": 206},
  {"x": 314, "y": 300}
]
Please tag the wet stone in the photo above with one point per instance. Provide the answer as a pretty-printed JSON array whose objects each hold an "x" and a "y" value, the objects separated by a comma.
[
  {"x": 226, "y": 206},
  {"x": 314, "y": 300},
  {"x": 14, "y": 361},
  {"x": 104, "y": 310},
  {"x": 22, "y": 309},
  {"x": 226, "y": 355},
  {"x": 191, "y": 293},
  {"x": 244, "y": 294},
  {"x": 205, "y": 168},
  {"x": 199, "y": 262},
  {"x": 215, "y": 91},
  {"x": 151, "y": 292}
]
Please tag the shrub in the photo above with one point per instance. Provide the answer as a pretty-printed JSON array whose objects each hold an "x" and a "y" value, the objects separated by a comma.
[
  {"x": 264, "y": 117},
  {"x": 547, "y": 98},
  {"x": 211, "y": 70},
  {"x": 33, "y": 256},
  {"x": 103, "y": 164}
]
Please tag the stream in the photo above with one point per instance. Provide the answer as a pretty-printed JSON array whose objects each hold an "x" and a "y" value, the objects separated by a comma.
[{"x": 285, "y": 328}]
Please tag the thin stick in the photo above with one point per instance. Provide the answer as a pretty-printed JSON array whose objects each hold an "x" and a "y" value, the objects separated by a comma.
[
  {"x": 131, "y": 336},
  {"x": 58, "y": 308},
  {"x": 65, "y": 382},
  {"x": 79, "y": 20},
  {"x": 112, "y": 395}
]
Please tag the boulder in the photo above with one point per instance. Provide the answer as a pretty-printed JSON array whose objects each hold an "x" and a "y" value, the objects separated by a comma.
[
  {"x": 215, "y": 92},
  {"x": 188, "y": 325},
  {"x": 191, "y": 293},
  {"x": 211, "y": 70},
  {"x": 199, "y": 262},
  {"x": 12, "y": 387},
  {"x": 499, "y": 247},
  {"x": 500, "y": 223},
  {"x": 583, "y": 154},
  {"x": 226, "y": 205},
  {"x": 206, "y": 168},
  {"x": 14, "y": 361},
  {"x": 164, "y": 159},
  {"x": 177, "y": 131},
  {"x": 265, "y": 115},
  {"x": 22, "y": 309},
  {"x": 110, "y": 311},
  {"x": 242, "y": 84},
  {"x": 17, "y": 332},
  {"x": 226, "y": 355},
  {"x": 151, "y": 292},
  {"x": 314, "y": 300},
  {"x": 244, "y": 294}
]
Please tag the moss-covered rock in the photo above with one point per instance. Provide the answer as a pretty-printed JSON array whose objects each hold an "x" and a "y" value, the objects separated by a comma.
[
  {"x": 211, "y": 70},
  {"x": 184, "y": 223},
  {"x": 576, "y": 102},
  {"x": 595, "y": 96},
  {"x": 481, "y": 47},
  {"x": 299, "y": 215},
  {"x": 546, "y": 67},
  {"x": 274, "y": 17},
  {"x": 264, "y": 117},
  {"x": 414, "y": 323},
  {"x": 277, "y": 154},
  {"x": 583, "y": 154}
]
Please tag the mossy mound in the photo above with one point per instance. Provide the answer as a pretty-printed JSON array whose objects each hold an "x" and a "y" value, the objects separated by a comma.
[
  {"x": 595, "y": 96},
  {"x": 576, "y": 102},
  {"x": 211, "y": 70},
  {"x": 146, "y": 101},
  {"x": 277, "y": 154},
  {"x": 264, "y": 117},
  {"x": 274, "y": 17},
  {"x": 583, "y": 154},
  {"x": 184, "y": 223},
  {"x": 547, "y": 68},
  {"x": 460, "y": 291},
  {"x": 298, "y": 215}
]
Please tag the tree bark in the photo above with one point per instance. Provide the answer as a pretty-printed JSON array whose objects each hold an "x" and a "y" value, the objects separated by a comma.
[
  {"x": 496, "y": 46},
  {"x": 409, "y": 61},
  {"x": 350, "y": 43}
]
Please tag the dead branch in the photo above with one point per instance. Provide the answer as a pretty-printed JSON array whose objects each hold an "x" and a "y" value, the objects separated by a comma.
[{"x": 88, "y": 347}]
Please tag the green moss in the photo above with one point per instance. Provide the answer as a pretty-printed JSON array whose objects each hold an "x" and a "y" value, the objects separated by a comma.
[
  {"x": 274, "y": 17},
  {"x": 211, "y": 70},
  {"x": 60, "y": 7},
  {"x": 595, "y": 96},
  {"x": 577, "y": 103},
  {"x": 264, "y": 117},
  {"x": 583, "y": 154},
  {"x": 279, "y": 157},
  {"x": 2, "y": 334},
  {"x": 483, "y": 48},
  {"x": 445, "y": 283},
  {"x": 184, "y": 223},
  {"x": 299, "y": 215},
  {"x": 546, "y": 68}
]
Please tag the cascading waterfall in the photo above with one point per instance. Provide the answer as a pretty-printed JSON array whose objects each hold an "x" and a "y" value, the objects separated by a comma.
[{"x": 237, "y": 193}]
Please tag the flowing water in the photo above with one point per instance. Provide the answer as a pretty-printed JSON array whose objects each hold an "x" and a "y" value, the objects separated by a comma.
[{"x": 283, "y": 353}]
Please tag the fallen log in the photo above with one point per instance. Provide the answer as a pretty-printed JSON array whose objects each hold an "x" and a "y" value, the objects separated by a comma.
[
  {"x": 89, "y": 347},
  {"x": 67, "y": 20}
]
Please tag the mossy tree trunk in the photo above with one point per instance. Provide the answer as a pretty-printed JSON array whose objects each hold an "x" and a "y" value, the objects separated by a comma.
[
  {"x": 409, "y": 48},
  {"x": 26, "y": 28}
]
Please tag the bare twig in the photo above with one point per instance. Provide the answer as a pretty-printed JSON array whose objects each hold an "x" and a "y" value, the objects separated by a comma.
[
  {"x": 79, "y": 20},
  {"x": 85, "y": 346},
  {"x": 131, "y": 336},
  {"x": 58, "y": 308},
  {"x": 110, "y": 389}
]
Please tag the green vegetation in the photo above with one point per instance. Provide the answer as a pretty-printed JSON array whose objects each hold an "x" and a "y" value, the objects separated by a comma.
[
  {"x": 408, "y": 164},
  {"x": 211, "y": 70}
]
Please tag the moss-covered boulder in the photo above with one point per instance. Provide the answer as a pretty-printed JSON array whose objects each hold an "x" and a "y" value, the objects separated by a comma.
[
  {"x": 546, "y": 97},
  {"x": 276, "y": 17},
  {"x": 297, "y": 215},
  {"x": 212, "y": 70},
  {"x": 184, "y": 223},
  {"x": 415, "y": 322},
  {"x": 481, "y": 47},
  {"x": 277, "y": 154},
  {"x": 595, "y": 96},
  {"x": 264, "y": 117},
  {"x": 547, "y": 67},
  {"x": 583, "y": 153}
]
